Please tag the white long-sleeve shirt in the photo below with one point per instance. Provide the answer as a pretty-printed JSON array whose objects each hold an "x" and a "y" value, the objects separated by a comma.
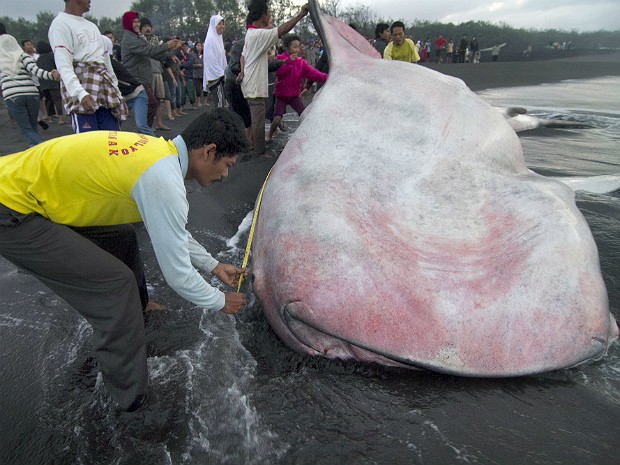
[
  {"x": 75, "y": 39},
  {"x": 161, "y": 199}
]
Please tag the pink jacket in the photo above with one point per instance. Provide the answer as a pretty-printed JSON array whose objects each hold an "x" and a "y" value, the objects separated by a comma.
[{"x": 290, "y": 74}]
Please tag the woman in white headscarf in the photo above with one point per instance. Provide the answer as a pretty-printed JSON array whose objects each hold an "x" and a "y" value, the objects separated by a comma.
[
  {"x": 20, "y": 93},
  {"x": 215, "y": 59}
]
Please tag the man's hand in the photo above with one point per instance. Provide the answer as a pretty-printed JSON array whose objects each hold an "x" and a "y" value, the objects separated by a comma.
[
  {"x": 173, "y": 43},
  {"x": 304, "y": 10},
  {"x": 89, "y": 104},
  {"x": 234, "y": 302},
  {"x": 229, "y": 274}
]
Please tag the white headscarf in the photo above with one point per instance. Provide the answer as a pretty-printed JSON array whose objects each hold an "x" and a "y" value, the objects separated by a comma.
[
  {"x": 213, "y": 52},
  {"x": 10, "y": 55}
]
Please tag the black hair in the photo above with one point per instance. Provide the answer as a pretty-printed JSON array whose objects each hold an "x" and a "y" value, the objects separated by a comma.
[
  {"x": 43, "y": 47},
  {"x": 26, "y": 40},
  {"x": 220, "y": 126},
  {"x": 380, "y": 28},
  {"x": 256, "y": 9},
  {"x": 397, "y": 24},
  {"x": 145, "y": 22},
  {"x": 287, "y": 39},
  {"x": 2, "y": 29},
  {"x": 353, "y": 26}
]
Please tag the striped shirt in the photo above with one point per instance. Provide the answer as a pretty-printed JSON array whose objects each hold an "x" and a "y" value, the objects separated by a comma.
[{"x": 22, "y": 83}]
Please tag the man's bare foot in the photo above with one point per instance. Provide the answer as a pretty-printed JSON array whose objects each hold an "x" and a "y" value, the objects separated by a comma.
[{"x": 153, "y": 306}]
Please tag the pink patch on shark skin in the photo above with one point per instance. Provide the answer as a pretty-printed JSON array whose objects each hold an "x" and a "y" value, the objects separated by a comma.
[{"x": 352, "y": 37}]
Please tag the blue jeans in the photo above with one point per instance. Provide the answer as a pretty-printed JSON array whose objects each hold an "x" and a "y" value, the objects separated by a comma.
[
  {"x": 175, "y": 95},
  {"x": 139, "y": 105},
  {"x": 25, "y": 111}
]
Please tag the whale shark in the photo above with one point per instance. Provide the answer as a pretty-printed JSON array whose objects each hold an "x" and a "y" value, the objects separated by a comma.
[{"x": 401, "y": 226}]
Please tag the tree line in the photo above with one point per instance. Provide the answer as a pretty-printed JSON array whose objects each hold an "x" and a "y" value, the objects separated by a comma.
[{"x": 189, "y": 19}]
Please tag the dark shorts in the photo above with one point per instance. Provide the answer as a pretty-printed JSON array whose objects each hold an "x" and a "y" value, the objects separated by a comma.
[
  {"x": 295, "y": 102},
  {"x": 102, "y": 119}
]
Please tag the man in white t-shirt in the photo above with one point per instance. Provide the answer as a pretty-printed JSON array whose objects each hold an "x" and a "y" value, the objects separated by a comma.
[
  {"x": 89, "y": 86},
  {"x": 259, "y": 39}
]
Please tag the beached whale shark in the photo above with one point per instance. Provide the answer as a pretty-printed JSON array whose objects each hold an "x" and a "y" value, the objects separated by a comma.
[{"x": 400, "y": 225}]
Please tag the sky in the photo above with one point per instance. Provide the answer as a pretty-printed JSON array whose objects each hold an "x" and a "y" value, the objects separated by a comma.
[{"x": 580, "y": 15}]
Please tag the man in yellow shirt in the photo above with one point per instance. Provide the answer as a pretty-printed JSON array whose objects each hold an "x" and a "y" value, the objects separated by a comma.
[
  {"x": 401, "y": 48},
  {"x": 66, "y": 208}
]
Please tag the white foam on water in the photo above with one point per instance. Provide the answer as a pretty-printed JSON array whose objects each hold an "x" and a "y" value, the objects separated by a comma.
[
  {"x": 243, "y": 228},
  {"x": 585, "y": 94},
  {"x": 604, "y": 377},
  {"x": 460, "y": 451},
  {"x": 16, "y": 322},
  {"x": 224, "y": 426}
]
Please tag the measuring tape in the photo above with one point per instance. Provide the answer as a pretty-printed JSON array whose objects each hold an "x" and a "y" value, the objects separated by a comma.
[{"x": 254, "y": 218}]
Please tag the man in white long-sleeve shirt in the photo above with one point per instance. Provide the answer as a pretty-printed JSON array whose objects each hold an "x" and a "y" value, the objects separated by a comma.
[
  {"x": 89, "y": 86},
  {"x": 261, "y": 37},
  {"x": 67, "y": 189}
]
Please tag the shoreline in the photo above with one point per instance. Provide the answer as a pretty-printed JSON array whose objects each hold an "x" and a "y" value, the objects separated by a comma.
[{"x": 488, "y": 75}]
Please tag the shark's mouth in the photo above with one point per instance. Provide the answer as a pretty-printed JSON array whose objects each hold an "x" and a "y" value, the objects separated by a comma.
[{"x": 318, "y": 341}]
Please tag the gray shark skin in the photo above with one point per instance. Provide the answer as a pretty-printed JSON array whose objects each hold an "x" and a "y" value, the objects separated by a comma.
[{"x": 401, "y": 226}]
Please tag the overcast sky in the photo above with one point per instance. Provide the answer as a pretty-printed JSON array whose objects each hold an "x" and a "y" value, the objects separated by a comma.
[{"x": 590, "y": 15}]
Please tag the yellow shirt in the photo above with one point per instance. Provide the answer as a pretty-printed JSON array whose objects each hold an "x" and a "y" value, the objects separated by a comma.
[
  {"x": 83, "y": 179},
  {"x": 406, "y": 52}
]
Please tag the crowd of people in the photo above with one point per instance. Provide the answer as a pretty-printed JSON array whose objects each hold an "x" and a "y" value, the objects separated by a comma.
[
  {"x": 151, "y": 78},
  {"x": 392, "y": 43},
  {"x": 170, "y": 77},
  {"x": 98, "y": 83}
]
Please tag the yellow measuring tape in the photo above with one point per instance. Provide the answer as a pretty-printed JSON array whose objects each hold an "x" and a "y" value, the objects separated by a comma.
[{"x": 254, "y": 218}]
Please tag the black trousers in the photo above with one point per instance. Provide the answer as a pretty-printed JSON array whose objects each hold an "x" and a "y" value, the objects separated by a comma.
[
  {"x": 237, "y": 102},
  {"x": 101, "y": 284}
]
